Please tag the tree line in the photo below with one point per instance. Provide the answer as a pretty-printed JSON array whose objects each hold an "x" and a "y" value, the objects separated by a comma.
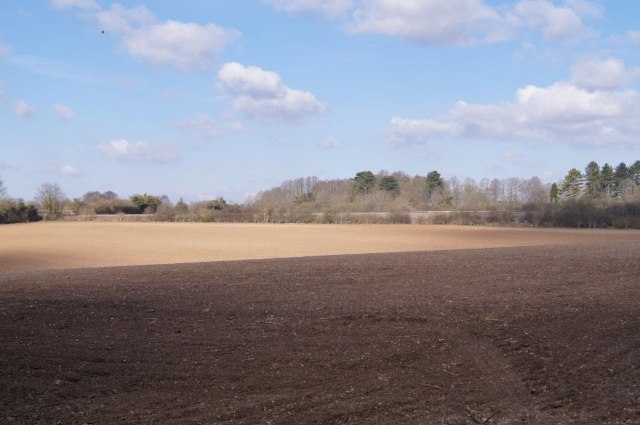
[
  {"x": 51, "y": 203},
  {"x": 597, "y": 196}
]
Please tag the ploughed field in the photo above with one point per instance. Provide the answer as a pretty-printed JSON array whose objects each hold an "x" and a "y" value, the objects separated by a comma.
[{"x": 502, "y": 333}]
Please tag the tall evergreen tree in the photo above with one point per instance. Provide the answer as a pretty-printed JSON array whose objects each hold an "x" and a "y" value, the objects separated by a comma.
[
  {"x": 592, "y": 178},
  {"x": 622, "y": 171},
  {"x": 433, "y": 184},
  {"x": 634, "y": 172},
  {"x": 607, "y": 178},
  {"x": 390, "y": 184},
  {"x": 553, "y": 194},
  {"x": 620, "y": 175},
  {"x": 364, "y": 182},
  {"x": 572, "y": 186}
]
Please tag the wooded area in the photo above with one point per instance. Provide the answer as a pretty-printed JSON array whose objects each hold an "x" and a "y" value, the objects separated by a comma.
[{"x": 599, "y": 196}]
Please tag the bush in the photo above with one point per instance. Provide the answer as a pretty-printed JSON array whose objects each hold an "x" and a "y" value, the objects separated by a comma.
[
  {"x": 399, "y": 218},
  {"x": 585, "y": 214},
  {"x": 165, "y": 212},
  {"x": 16, "y": 211}
]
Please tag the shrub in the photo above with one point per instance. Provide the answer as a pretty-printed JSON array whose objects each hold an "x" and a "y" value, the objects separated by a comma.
[{"x": 16, "y": 211}]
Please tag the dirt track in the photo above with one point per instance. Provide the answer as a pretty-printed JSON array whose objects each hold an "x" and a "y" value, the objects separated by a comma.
[
  {"x": 544, "y": 335},
  {"x": 74, "y": 245}
]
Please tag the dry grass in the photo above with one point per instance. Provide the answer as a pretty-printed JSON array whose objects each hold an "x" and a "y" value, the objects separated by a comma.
[{"x": 75, "y": 245}]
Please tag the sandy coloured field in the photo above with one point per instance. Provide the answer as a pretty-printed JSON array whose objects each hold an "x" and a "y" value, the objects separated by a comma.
[{"x": 38, "y": 246}]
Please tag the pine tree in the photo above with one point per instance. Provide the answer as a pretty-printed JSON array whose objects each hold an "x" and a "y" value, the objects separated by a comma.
[
  {"x": 592, "y": 178},
  {"x": 433, "y": 184},
  {"x": 634, "y": 172},
  {"x": 553, "y": 195},
  {"x": 389, "y": 184},
  {"x": 607, "y": 177},
  {"x": 620, "y": 175},
  {"x": 364, "y": 182},
  {"x": 572, "y": 184}
]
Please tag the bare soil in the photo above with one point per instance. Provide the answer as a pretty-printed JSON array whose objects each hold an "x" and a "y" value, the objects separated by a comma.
[
  {"x": 60, "y": 245},
  {"x": 527, "y": 335}
]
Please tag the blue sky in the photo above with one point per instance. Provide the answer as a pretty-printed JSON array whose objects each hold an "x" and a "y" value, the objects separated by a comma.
[{"x": 200, "y": 99}]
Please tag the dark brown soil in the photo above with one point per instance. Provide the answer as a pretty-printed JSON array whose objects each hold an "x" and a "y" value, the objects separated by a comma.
[{"x": 547, "y": 335}]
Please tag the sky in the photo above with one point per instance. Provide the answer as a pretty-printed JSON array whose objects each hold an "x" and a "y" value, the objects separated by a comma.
[{"x": 202, "y": 98}]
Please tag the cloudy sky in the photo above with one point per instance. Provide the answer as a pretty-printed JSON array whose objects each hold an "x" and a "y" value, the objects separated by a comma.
[{"x": 202, "y": 98}]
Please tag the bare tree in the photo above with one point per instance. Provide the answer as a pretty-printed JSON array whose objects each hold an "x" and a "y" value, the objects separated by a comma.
[{"x": 50, "y": 197}]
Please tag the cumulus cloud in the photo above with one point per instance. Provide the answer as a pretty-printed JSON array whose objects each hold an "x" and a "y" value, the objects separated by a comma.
[
  {"x": 610, "y": 73},
  {"x": 416, "y": 131},
  {"x": 181, "y": 45},
  {"x": 67, "y": 170},
  {"x": 329, "y": 8},
  {"x": 209, "y": 128},
  {"x": 123, "y": 150},
  {"x": 261, "y": 95},
  {"x": 64, "y": 111},
  {"x": 585, "y": 8},
  {"x": 22, "y": 109},
  {"x": 453, "y": 22},
  {"x": 120, "y": 19},
  {"x": 558, "y": 23},
  {"x": 560, "y": 113},
  {"x": 81, "y": 4}
]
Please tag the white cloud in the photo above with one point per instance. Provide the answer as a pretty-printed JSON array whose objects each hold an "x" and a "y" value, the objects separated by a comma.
[
  {"x": 329, "y": 8},
  {"x": 240, "y": 80},
  {"x": 610, "y": 73},
  {"x": 64, "y": 111},
  {"x": 123, "y": 150},
  {"x": 179, "y": 44},
  {"x": 182, "y": 45},
  {"x": 415, "y": 131},
  {"x": 209, "y": 128},
  {"x": 261, "y": 95},
  {"x": 81, "y": 4},
  {"x": 22, "y": 109},
  {"x": 453, "y": 22},
  {"x": 585, "y": 8},
  {"x": 67, "y": 170},
  {"x": 557, "y": 23},
  {"x": 120, "y": 19},
  {"x": 330, "y": 143},
  {"x": 561, "y": 113}
]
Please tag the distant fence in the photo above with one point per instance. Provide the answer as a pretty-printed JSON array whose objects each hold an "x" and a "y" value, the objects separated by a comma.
[
  {"x": 416, "y": 217},
  {"x": 136, "y": 218},
  {"x": 428, "y": 217}
]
